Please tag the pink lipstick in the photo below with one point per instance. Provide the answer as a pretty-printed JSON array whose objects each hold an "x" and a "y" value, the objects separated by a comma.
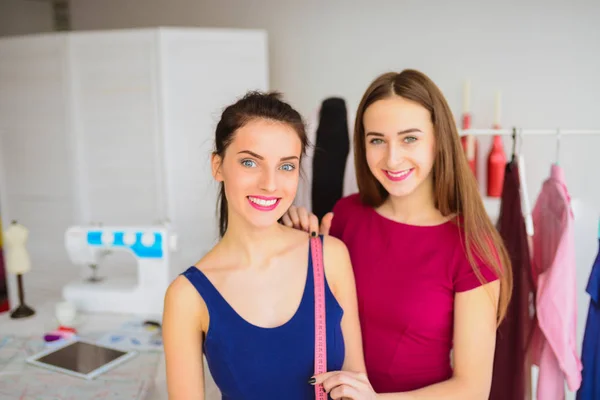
[
  {"x": 263, "y": 203},
  {"x": 398, "y": 176}
]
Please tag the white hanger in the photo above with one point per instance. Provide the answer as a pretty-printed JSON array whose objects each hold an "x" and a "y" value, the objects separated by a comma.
[{"x": 525, "y": 204}]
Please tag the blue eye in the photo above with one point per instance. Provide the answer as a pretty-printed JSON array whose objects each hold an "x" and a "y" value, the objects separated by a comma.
[
  {"x": 410, "y": 139},
  {"x": 288, "y": 167},
  {"x": 376, "y": 141},
  {"x": 248, "y": 163}
]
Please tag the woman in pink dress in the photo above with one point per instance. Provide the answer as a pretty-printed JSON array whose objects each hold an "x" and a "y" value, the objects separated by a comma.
[{"x": 432, "y": 274}]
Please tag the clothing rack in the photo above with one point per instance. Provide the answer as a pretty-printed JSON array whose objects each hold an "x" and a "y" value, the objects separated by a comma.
[{"x": 520, "y": 131}]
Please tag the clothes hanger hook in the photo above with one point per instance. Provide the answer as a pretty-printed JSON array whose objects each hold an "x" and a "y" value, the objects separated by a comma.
[
  {"x": 514, "y": 143},
  {"x": 557, "y": 145}
]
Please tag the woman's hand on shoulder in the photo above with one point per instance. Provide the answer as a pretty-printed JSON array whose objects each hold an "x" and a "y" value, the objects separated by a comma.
[
  {"x": 183, "y": 318},
  {"x": 300, "y": 218}
]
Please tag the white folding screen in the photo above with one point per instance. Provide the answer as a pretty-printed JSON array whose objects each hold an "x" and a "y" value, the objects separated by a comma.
[
  {"x": 193, "y": 100},
  {"x": 36, "y": 162},
  {"x": 115, "y": 114},
  {"x": 36, "y": 165},
  {"x": 117, "y": 127}
]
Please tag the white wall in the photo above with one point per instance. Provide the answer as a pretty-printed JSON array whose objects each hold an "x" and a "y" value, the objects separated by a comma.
[
  {"x": 535, "y": 51},
  {"x": 20, "y": 17},
  {"x": 543, "y": 55}
]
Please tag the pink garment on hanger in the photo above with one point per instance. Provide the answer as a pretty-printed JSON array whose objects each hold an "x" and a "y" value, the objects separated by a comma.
[{"x": 554, "y": 342}]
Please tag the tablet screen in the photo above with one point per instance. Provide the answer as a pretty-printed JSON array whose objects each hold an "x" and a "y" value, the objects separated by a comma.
[{"x": 81, "y": 357}]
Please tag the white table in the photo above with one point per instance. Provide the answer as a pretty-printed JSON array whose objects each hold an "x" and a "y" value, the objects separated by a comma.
[
  {"x": 43, "y": 322},
  {"x": 42, "y": 294}
]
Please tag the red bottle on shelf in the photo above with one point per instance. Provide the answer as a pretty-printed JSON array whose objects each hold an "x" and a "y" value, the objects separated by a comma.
[{"x": 496, "y": 164}]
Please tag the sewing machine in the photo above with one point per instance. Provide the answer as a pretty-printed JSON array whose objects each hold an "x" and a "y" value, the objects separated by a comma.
[{"x": 88, "y": 245}]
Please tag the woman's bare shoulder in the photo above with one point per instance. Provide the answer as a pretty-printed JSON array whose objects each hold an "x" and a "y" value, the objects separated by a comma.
[
  {"x": 183, "y": 302},
  {"x": 182, "y": 293},
  {"x": 337, "y": 265}
]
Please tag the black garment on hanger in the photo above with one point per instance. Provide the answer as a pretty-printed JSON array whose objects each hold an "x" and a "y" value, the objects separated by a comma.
[{"x": 331, "y": 152}]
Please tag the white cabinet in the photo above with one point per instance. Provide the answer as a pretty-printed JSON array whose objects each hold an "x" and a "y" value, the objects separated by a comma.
[{"x": 116, "y": 127}]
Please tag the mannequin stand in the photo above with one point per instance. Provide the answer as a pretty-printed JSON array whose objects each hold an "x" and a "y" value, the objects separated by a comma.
[{"x": 23, "y": 310}]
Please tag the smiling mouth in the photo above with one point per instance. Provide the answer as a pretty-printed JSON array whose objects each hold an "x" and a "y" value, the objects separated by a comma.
[
  {"x": 398, "y": 176},
  {"x": 264, "y": 203}
]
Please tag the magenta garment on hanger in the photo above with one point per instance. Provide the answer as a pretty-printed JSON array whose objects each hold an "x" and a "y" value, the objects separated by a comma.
[{"x": 554, "y": 346}]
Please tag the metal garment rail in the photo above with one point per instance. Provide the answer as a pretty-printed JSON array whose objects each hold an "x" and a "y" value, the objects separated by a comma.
[{"x": 520, "y": 131}]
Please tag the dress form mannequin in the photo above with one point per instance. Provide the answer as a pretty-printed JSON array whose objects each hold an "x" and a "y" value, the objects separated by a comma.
[{"x": 18, "y": 262}]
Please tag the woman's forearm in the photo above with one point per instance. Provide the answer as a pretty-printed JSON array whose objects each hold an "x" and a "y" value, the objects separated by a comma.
[{"x": 452, "y": 389}]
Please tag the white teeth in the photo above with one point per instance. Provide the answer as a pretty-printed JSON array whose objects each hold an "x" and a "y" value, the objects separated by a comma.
[
  {"x": 261, "y": 202},
  {"x": 398, "y": 174}
]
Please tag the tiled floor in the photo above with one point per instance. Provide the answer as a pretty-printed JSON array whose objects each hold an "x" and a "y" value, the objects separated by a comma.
[{"x": 43, "y": 292}]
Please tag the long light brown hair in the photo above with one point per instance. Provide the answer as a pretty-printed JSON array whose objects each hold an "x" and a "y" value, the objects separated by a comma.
[{"x": 455, "y": 188}]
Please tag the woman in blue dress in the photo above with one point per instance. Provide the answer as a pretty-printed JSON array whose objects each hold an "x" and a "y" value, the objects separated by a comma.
[{"x": 248, "y": 304}]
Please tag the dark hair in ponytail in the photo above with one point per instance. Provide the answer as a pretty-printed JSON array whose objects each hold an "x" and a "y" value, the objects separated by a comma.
[{"x": 254, "y": 105}]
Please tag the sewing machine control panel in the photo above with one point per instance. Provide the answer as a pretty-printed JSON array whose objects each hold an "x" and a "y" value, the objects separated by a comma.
[{"x": 144, "y": 244}]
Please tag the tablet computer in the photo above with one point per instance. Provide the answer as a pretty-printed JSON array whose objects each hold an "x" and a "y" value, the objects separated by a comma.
[{"x": 81, "y": 358}]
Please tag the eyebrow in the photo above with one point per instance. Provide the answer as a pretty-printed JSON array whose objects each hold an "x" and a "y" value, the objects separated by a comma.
[
  {"x": 253, "y": 154},
  {"x": 404, "y": 132}
]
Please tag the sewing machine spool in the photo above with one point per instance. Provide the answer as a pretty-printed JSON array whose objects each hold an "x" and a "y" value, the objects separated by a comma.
[{"x": 150, "y": 246}]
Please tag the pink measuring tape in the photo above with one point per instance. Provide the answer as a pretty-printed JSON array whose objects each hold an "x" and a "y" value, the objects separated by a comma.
[{"x": 320, "y": 328}]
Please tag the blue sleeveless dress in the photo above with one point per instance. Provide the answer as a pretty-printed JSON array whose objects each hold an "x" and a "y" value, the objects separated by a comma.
[{"x": 250, "y": 362}]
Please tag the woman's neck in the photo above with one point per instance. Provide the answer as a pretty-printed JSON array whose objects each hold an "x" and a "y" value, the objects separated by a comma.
[
  {"x": 253, "y": 246},
  {"x": 417, "y": 208}
]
